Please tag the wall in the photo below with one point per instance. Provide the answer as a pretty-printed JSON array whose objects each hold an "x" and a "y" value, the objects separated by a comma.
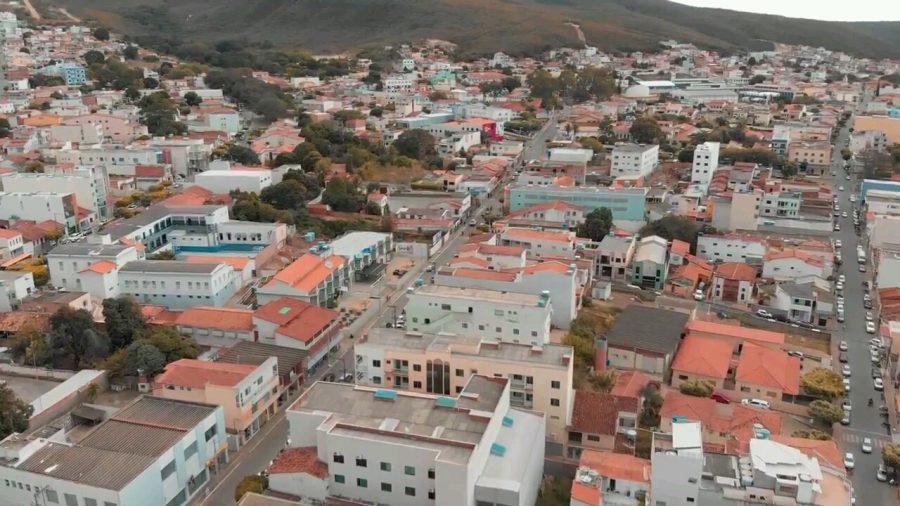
[{"x": 300, "y": 485}]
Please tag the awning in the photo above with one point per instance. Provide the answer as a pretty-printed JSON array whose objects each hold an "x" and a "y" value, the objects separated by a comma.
[{"x": 88, "y": 413}]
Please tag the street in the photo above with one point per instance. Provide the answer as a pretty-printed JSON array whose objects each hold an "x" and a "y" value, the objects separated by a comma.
[{"x": 865, "y": 420}]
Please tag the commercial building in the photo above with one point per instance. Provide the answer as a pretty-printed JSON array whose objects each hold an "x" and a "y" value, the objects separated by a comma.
[
  {"x": 627, "y": 204},
  {"x": 812, "y": 156},
  {"x": 407, "y": 449},
  {"x": 634, "y": 159},
  {"x": 151, "y": 452},
  {"x": 177, "y": 284},
  {"x": 501, "y": 316},
  {"x": 644, "y": 339},
  {"x": 540, "y": 243},
  {"x": 540, "y": 378},
  {"x": 72, "y": 266},
  {"x": 311, "y": 278},
  {"x": 224, "y": 181},
  {"x": 42, "y": 206},
  {"x": 299, "y": 325}
]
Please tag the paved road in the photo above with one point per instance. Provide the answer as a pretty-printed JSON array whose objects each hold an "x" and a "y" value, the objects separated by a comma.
[
  {"x": 536, "y": 148},
  {"x": 865, "y": 420}
]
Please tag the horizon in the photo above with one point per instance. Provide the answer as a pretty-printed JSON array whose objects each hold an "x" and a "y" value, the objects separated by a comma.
[{"x": 863, "y": 10}]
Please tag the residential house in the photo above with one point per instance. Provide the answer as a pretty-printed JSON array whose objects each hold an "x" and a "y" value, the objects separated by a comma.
[
  {"x": 598, "y": 419},
  {"x": 608, "y": 478},
  {"x": 734, "y": 282},
  {"x": 297, "y": 324},
  {"x": 651, "y": 263},
  {"x": 311, "y": 278},
  {"x": 764, "y": 373},
  {"x": 612, "y": 256},
  {"x": 703, "y": 359}
]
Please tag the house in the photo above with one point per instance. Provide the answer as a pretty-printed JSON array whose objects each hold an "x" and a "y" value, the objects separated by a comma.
[
  {"x": 215, "y": 326},
  {"x": 597, "y": 419},
  {"x": 702, "y": 359},
  {"x": 540, "y": 243},
  {"x": 732, "y": 248},
  {"x": 651, "y": 263},
  {"x": 311, "y": 278},
  {"x": 554, "y": 214},
  {"x": 176, "y": 284},
  {"x": 645, "y": 339},
  {"x": 733, "y": 282},
  {"x": 296, "y": 472},
  {"x": 612, "y": 256},
  {"x": 764, "y": 373},
  {"x": 790, "y": 264},
  {"x": 810, "y": 301},
  {"x": 297, "y": 324},
  {"x": 291, "y": 362},
  {"x": 608, "y": 478}
]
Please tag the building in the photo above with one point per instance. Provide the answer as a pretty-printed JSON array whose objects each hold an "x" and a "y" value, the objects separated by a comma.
[
  {"x": 311, "y": 278},
  {"x": 703, "y": 359},
  {"x": 651, "y": 263},
  {"x": 610, "y": 478},
  {"x": 216, "y": 326},
  {"x": 14, "y": 287},
  {"x": 73, "y": 74},
  {"x": 634, "y": 160},
  {"x": 764, "y": 373},
  {"x": 403, "y": 448},
  {"x": 247, "y": 393},
  {"x": 92, "y": 268},
  {"x": 500, "y": 316},
  {"x": 224, "y": 181},
  {"x": 177, "y": 284},
  {"x": 813, "y": 157},
  {"x": 540, "y": 243},
  {"x": 645, "y": 339},
  {"x": 706, "y": 161},
  {"x": 809, "y": 302},
  {"x": 540, "y": 378},
  {"x": 42, "y": 206},
  {"x": 598, "y": 419},
  {"x": 153, "y": 451},
  {"x": 782, "y": 204},
  {"x": 612, "y": 256},
  {"x": 89, "y": 184},
  {"x": 733, "y": 282},
  {"x": 299, "y": 325},
  {"x": 13, "y": 245},
  {"x": 732, "y": 248},
  {"x": 556, "y": 214},
  {"x": 627, "y": 204},
  {"x": 790, "y": 264}
]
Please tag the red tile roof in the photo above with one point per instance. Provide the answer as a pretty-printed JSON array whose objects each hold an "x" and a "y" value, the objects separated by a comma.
[
  {"x": 704, "y": 356},
  {"x": 680, "y": 247},
  {"x": 101, "y": 267},
  {"x": 630, "y": 383},
  {"x": 297, "y": 319},
  {"x": 737, "y": 271},
  {"x": 199, "y": 373},
  {"x": 598, "y": 413},
  {"x": 299, "y": 460},
  {"x": 617, "y": 466},
  {"x": 238, "y": 262},
  {"x": 217, "y": 318},
  {"x": 733, "y": 419},
  {"x": 308, "y": 271},
  {"x": 735, "y": 331},
  {"x": 769, "y": 368}
]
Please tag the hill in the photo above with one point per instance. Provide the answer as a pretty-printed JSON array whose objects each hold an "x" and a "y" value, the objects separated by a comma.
[{"x": 479, "y": 26}]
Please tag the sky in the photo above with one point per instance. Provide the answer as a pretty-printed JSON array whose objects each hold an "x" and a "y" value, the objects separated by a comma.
[{"x": 829, "y": 10}]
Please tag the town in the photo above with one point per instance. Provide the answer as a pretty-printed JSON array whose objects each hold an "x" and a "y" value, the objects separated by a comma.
[{"x": 402, "y": 277}]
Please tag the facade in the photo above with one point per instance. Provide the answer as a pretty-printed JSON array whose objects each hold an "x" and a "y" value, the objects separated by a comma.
[
  {"x": 176, "y": 284},
  {"x": 643, "y": 339},
  {"x": 784, "y": 204},
  {"x": 733, "y": 282},
  {"x": 634, "y": 160},
  {"x": 540, "y": 378},
  {"x": 151, "y": 452},
  {"x": 805, "y": 302},
  {"x": 501, "y": 316},
  {"x": 791, "y": 264},
  {"x": 627, "y": 204},
  {"x": 651, "y": 263},
  {"x": 706, "y": 161},
  {"x": 816, "y": 155},
  {"x": 613, "y": 256},
  {"x": 14, "y": 286},
  {"x": 70, "y": 264},
  {"x": 731, "y": 248},
  {"x": 311, "y": 278},
  {"x": 73, "y": 74},
  {"x": 224, "y": 181},
  {"x": 42, "y": 206},
  {"x": 88, "y": 184},
  {"x": 247, "y": 393},
  {"x": 299, "y": 325},
  {"x": 540, "y": 243},
  {"x": 395, "y": 447}
]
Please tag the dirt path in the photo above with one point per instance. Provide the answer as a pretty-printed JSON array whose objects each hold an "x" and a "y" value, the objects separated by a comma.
[{"x": 578, "y": 32}]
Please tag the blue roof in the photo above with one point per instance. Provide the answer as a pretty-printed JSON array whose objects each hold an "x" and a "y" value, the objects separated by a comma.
[
  {"x": 383, "y": 393},
  {"x": 446, "y": 402},
  {"x": 498, "y": 449},
  {"x": 507, "y": 421}
]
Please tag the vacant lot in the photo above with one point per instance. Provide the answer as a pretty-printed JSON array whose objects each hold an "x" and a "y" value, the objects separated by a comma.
[{"x": 28, "y": 389}]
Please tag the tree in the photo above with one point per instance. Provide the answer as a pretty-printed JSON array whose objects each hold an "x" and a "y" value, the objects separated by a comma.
[
  {"x": 645, "y": 130},
  {"x": 846, "y": 154},
  {"x": 822, "y": 382},
  {"x": 14, "y": 412},
  {"x": 173, "y": 345},
  {"x": 890, "y": 453},
  {"x": 158, "y": 113},
  {"x": 93, "y": 57},
  {"x": 591, "y": 143},
  {"x": 652, "y": 403},
  {"x": 192, "y": 99},
  {"x": 671, "y": 227},
  {"x": 31, "y": 347},
  {"x": 100, "y": 33},
  {"x": 251, "y": 483},
  {"x": 124, "y": 321},
  {"x": 597, "y": 224},
  {"x": 163, "y": 255},
  {"x": 144, "y": 358},
  {"x": 130, "y": 52},
  {"x": 757, "y": 79},
  {"x": 811, "y": 434},
  {"x": 510, "y": 83},
  {"x": 341, "y": 194},
  {"x": 415, "y": 143},
  {"x": 241, "y": 154},
  {"x": 604, "y": 381},
  {"x": 150, "y": 83},
  {"x": 5, "y": 128},
  {"x": 434, "y": 96},
  {"x": 825, "y": 411},
  {"x": 132, "y": 94},
  {"x": 288, "y": 195},
  {"x": 73, "y": 336},
  {"x": 697, "y": 388}
]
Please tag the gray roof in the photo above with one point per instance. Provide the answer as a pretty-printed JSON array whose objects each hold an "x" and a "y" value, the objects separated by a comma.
[
  {"x": 152, "y": 215},
  {"x": 634, "y": 148},
  {"x": 167, "y": 413},
  {"x": 91, "y": 466},
  {"x": 168, "y": 266},
  {"x": 615, "y": 244},
  {"x": 89, "y": 249},
  {"x": 248, "y": 352},
  {"x": 648, "y": 328},
  {"x": 119, "y": 436}
]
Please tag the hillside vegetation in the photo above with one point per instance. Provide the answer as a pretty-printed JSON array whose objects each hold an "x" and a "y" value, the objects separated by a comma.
[{"x": 478, "y": 26}]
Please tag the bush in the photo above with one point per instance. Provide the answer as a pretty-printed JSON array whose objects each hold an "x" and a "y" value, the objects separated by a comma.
[
  {"x": 811, "y": 434},
  {"x": 252, "y": 483},
  {"x": 822, "y": 382},
  {"x": 825, "y": 411},
  {"x": 891, "y": 455},
  {"x": 697, "y": 388}
]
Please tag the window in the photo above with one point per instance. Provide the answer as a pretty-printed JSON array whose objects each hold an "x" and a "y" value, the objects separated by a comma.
[
  {"x": 690, "y": 499},
  {"x": 417, "y": 367},
  {"x": 376, "y": 363},
  {"x": 361, "y": 462},
  {"x": 190, "y": 451},
  {"x": 431, "y": 494},
  {"x": 431, "y": 474},
  {"x": 460, "y": 373},
  {"x": 51, "y": 496},
  {"x": 410, "y": 491},
  {"x": 71, "y": 500},
  {"x": 385, "y": 487},
  {"x": 90, "y": 502},
  {"x": 591, "y": 437},
  {"x": 554, "y": 402},
  {"x": 339, "y": 478},
  {"x": 445, "y": 307},
  {"x": 409, "y": 470},
  {"x": 362, "y": 482},
  {"x": 554, "y": 385},
  {"x": 417, "y": 384},
  {"x": 338, "y": 458},
  {"x": 386, "y": 466},
  {"x": 168, "y": 470}
]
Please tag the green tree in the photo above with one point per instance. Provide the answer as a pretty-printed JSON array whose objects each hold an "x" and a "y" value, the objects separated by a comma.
[
  {"x": 758, "y": 78},
  {"x": 671, "y": 227},
  {"x": 345, "y": 115},
  {"x": 890, "y": 453},
  {"x": 343, "y": 195},
  {"x": 14, "y": 412},
  {"x": 173, "y": 345},
  {"x": 846, "y": 154},
  {"x": 162, "y": 255},
  {"x": 591, "y": 143},
  {"x": 144, "y": 358},
  {"x": 415, "y": 143},
  {"x": 150, "y": 83},
  {"x": 158, "y": 113},
  {"x": 5, "y": 128},
  {"x": 811, "y": 434},
  {"x": 825, "y": 411},
  {"x": 241, "y": 154},
  {"x": 288, "y": 195},
  {"x": 652, "y": 403},
  {"x": 697, "y": 388},
  {"x": 434, "y": 96},
  {"x": 73, "y": 336},
  {"x": 192, "y": 99},
  {"x": 822, "y": 382},
  {"x": 132, "y": 94},
  {"x": 30, "y": 345},
  {"x": 510, "y": 83},
  {"x": 604, "y": 381},
  {"x": 645, "y": 130},
  {"x": 124, "y": 321},
  {"x": 130, "y": 52},
  {"x": 596, "y": 225},
  {"x": 100, "y": 33},
  {"x": 251, "y": 483},
  {"x": 93, "y": 57}
]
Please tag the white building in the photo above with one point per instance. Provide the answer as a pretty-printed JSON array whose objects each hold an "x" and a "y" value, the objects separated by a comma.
[
  {"x": 224, "y": 181},
  {"x": 731, "y": 248},
  {"x": 502, "y": 316},
  {"x": 151, "y": 452},
  {"x": 393, "y": 447},
  {"x": 177, "y": 284},
  {"x": 706, "y": 161},
  {"x": 677, "y": 461},
  {"x": 634, "y": 159},
  {"x": 14, "y": 286},
  {"x": 77, "y": 133},
  {"x": 92, "y": 268},
  {"x": 89, "y": 184},
  {"x": 571, "y": 155},
  {"x": 13, "y": 245},
  {"x": 43, "y": 206}
]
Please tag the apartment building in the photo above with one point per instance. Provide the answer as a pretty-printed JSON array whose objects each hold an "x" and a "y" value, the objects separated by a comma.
[
  {"x": 732, "y": 248},
  {"x": 634, "y": 160},
  {"x": 224, "y": 181},
  {"x": 42, "y": 206},
  {"x": 540, "y": 377},
  {"x": 13, "y": 245},
  {"x": 812, "y": 156},
  {"x": 706, "y": 161},
  {"x": 556, "y": 214},
  {"x": 311, "y": 278},
  {"x": 176, "y": 284},
  {"x": 406, "y": 449},
  {"x": 501, "y": 316},
  {"x": 153, "y": 451},
  {"x": 247, "y": 393},
  {"x": 783, "y": 204},
  {"x": 89, "y": 184},
  {"x": 627, "y": 204},
  {"x": 734, "y": 282}
]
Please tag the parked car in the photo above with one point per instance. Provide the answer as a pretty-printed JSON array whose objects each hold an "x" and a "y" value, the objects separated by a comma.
[
  {"x": 845, "y": 370},
  {"x": 762, "y": 313},
  {"x": 878, "y": 383},
  {"x": 720, "y": 398},
  {"x": 846, "y": 385},
  {"x": 756, "y": 403},
  {"x": 845, "y": 418},
  {"x": 876, "y": 372},
  {"x": 881, "y": 473},
  {"x": 870, "y": 327},
  {"x": 843, "y": 346},
  {"x": 866, "y": 445},
  {"x": 842, "y": 357}
]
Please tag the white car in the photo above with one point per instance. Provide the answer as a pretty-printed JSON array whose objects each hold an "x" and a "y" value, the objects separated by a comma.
[
  {"x": 838, "y": 244},
  {"x": 846, "y": 382},
  {"x": 845, "y": 370},
  {"x": 847, "y": 178},
  {"x": 875, "y": 342},
  {"x": 842, "y": 278},
  {"x": 870, "y": 327},
  {"x": 756, "y": 403},
  {"x": 862, "y": 268},
  {"x": 762, "y": 313},
  {"x": 846, "y": 406},
  {"x": 878, "y": 383},
  {"x": 840, "y": 188},
  {"x": 843, "y": 346},
  {"x": 867, "y": 445},
  {"x": 869, "y": 316},
  {"x": 839, "y": 286},
  {"x": 844, "y": 214},
  {"x": 849, "y": 461}
]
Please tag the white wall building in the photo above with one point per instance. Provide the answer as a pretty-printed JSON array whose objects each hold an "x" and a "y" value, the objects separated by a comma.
[
  {"x": 73, "y": 267},
  {"x": 89, "y": 184},
  {"x": 14, "y": 286},
  {"x": 224, "y": 181},
  {"x": 731, "y": 248},
  {"x": 706, "y": 161},
  {"x": 503, "y": 316},
  {"x": 176, "y": 284},
  {"x": 677, "y": 461},
  {"x": 634, "y": 159},
  {"x": 41, "y": 206}
]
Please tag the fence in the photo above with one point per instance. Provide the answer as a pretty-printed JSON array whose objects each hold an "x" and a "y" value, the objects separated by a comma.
[{"x": 32, "y": 372}]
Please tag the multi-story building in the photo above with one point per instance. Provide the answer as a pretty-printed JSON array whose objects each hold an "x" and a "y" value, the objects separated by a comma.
[
  {"x": 12, "y": 244},
  {"x": 651, "y": 263},
  {"x": 733, "y": 282},
  {"x": 634, "y": 159},
  {"x": 72, "y": 73},
  {"x": 502, "y": 316},
  {"x": 540, "y": 377},
  {"x": 407, "y": 449},
  {"x": 42, "y": 206},
  {"x": 89, "y": 184},
  {"x": 812, "y": 156},
  {"x": 731, "y": 248},
  {"x": 612, "y": 256},
  {"x": 311, "y": 278},
  {"x": 89, "y": 267},
  {"x": 225, "y": 181},
  {"x": 177, "y": 284},
  {"x": 247, "y": 393},
  {"x": 870, "y": 139},
  {"x": 541, "y": 243},
  {"x": 627, "y": 204},
  {"x": 783, "y": 204},
  {"x": 557, "y": 214},
  {"x": 297, "y": 324},
  {"x": 153, "y": 451},
  {"x": 14, "y": 286},
  {"x": 706, "y": 161}
]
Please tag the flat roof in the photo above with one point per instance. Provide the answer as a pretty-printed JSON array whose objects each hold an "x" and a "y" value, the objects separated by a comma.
[
  {"x": 353, "y": 243},
  {"x": 88, "y": 249},
  {"x": 520, "y": 441},
  {"x": 154, "y": 214},
  {"x": 635, "y": 148},
  {"x": 169, "y": 266},
  {"x": 478, "y": 294},
  {"x": 648, "y": 328}
]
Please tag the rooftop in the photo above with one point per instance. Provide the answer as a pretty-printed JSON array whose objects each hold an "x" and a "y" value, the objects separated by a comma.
[
  {"x": 249, "y": 352},
  {"x": 89, "y": 249},
  {"x": 217, "y": 317},
  {"x": 168, "y": 267},
  {"x": 200, "y": 373},
  {"x": 703, "y": 356},
  {"x": 770, "y": 368},
  {"x": 598, "y": 413},
  {"x": 479, "y": 294},
  {"x": 647, "y": 328}
]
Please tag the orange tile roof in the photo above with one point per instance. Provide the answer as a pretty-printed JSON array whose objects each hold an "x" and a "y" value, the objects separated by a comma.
[
  {"x": 618, "y": 466},
  {"x": 9, "y": 234},
  {"x": 472, "y": 260},
  {"x": 728, "y": 330},
  {"x": 736, "y": 270},
  {"x": 216, "y": 317},
  {"x": 598, "y": 413},
  {"x": 545, "y": 266},
  {"x": 734, "y": 419},
  {"x": 795, "y": 253},
  {"x": 630, "y": 383},
  {"x": 238, "y": 262},
  {"x": 680, "y": 247},
  {"x": 297, "y": 319},
  {"x": 490, "y": 249},
  {"x": 705, "y": 356},
  {"x": 101, "y": 267},
  {"x": 307, "y": 272},
  {"x": 199, "y": 373},
  {"x": 770, "y": 368},
  {"x": 299, "y": 460}
]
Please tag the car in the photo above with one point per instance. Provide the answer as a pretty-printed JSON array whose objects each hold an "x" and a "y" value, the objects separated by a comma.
[
  {"x": 881, "y": 473},
  {"x": 849, "y": 461},
  {"x": 840, "y": 317},
  {"x": 756, "y": 403},
  {"x": 846, "y": 382},
  {"x": 845, "y": 370},
  {"x": 839, "y": 286},
  {"x": 845, "y": 418},
  {"x": 875, "y": 341},
  {"x": 843, "y": 346},
  {"x": 720, "y": 398},
  {"x": 846, "y": 405},
  {"x": 472, "y": 223},
  {"x": 840, "y": 188},
  {"x": 347, "y": 378},
  {"x": 844, "y": 214},
  {"x": 837, "y": 227},
  {"x": 847, "y": 178},
  {"x": 838, "y": 243},
  {"x": 870, "y": 327},
  {"x": 798, "y": 354},
  {"x": 869, "y": 316},
  {"x": 328, "y": 377},
  {"x": 876, "y": 372},
  {"x": 840, "y": 300},
  {"x": 862, "y": 268},
  {"x": 867, "y": 304},
  {"x": 762, "y": 313},
  {"x": 878, "y": 384},
  {"x": 842, "y": 278},
  {"x": 866, "y": 445},
  {"x": 842, "y": 357}
]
